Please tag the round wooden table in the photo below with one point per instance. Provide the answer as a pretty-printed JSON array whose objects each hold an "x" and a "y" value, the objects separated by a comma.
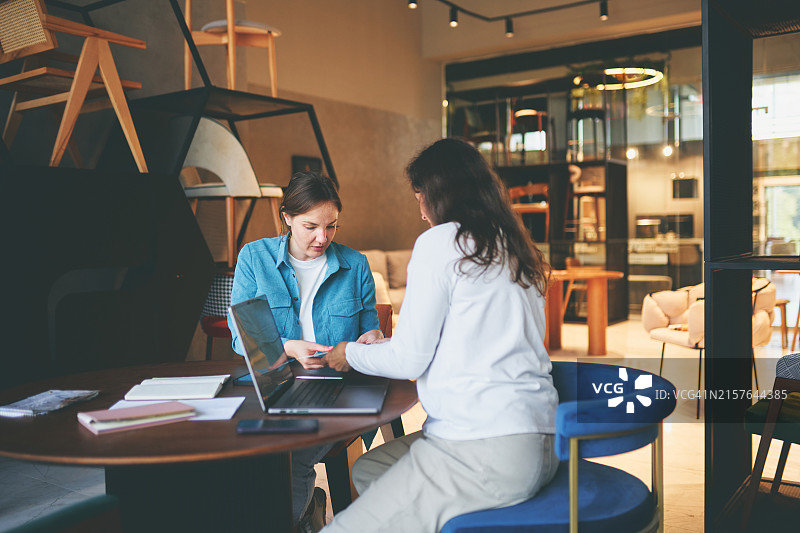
[
  {"x": 596, "y": 302},
  {"x": 187, "y": 476}
]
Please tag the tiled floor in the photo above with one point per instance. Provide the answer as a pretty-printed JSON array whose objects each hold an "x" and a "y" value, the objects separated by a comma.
[{"x": 29, "y": 490}]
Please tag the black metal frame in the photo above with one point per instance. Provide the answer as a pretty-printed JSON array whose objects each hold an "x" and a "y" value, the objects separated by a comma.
[
  {"x": 83, "y": 11},
  {"x": 728, "y": 31},
  {"x": 258, "y": 106}
]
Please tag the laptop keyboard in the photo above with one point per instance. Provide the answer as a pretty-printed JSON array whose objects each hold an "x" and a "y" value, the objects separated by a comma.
[{"x": 314, "y": 393}]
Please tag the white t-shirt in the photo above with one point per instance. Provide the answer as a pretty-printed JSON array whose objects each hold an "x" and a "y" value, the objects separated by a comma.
[
  {"x": 475, "y": 344},
  {"x": 309, "y": 278}
]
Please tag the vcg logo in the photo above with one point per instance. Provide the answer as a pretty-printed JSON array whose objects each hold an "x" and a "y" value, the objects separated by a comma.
[{"x": 645, "y": 381}]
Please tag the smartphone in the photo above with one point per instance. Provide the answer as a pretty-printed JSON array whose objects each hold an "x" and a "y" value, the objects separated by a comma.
[{"x": 288, "y": 425}]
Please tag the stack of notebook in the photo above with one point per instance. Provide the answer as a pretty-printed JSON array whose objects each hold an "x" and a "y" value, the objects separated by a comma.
[{"x": 181, "y": 388}]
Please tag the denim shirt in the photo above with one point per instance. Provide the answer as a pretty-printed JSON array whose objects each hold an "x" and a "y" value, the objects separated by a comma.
[{"x": 344, "y": 306}]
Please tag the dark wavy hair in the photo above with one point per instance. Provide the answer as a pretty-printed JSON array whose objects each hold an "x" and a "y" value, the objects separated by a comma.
[
  {"x": 307, "y": 189},
  {"x": 458, "y": 186}
]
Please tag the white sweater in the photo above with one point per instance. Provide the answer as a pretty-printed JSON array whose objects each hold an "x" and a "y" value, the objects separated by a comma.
[{"x": 475, "y": 344}]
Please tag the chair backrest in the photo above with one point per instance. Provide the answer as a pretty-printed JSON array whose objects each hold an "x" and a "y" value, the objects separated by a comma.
[
  {"x": 216, "y": 149},
  {"x": 22, "y": 29},
  {"x": 219, "y": 295},
  {"x": 764, "y": 295},
  {"x": 584, "y": 407},
  {"x": 385, "y": 319},
  {"x": 531, "y": 189}
]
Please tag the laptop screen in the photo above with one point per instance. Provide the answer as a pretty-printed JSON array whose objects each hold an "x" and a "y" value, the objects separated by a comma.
[{"x": 262, "y": 346}]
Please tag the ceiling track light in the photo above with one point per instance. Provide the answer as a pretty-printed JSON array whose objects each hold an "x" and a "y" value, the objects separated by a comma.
[
  {"x": 509, "y": 17},
  {"x": 412, "y": 4},
  {"x": 453, "y": 17}
]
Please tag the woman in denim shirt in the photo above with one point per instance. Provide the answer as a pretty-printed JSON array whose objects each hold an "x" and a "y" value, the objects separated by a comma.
[{"x": 320, "y": 293}]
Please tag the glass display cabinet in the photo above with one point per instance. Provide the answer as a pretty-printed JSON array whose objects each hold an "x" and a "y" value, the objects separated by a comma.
[{"x": 570, "y": 135}]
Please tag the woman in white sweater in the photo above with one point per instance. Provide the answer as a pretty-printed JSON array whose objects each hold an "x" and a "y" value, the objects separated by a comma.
[{"x": 471, "y": 332}]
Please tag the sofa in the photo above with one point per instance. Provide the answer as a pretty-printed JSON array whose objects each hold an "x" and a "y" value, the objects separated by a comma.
[{"x": 389, "y": 269}]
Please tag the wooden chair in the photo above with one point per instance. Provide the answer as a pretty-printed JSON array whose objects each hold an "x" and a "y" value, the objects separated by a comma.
[
  {"x": 216, "y": 149},
  {"x": 775, "y": 418},
  {"x": 521, "y": 201},
  {"x": 780, "y": 303},
  {"x": 232, "y": 33},
  {"x": 214, "y": 316},
  {"x": 28, "y": 31},
  {"x": 580, "y": 287}
]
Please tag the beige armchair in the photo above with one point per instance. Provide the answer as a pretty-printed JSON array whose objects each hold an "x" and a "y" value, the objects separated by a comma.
[{"x": 677, "y": 317}]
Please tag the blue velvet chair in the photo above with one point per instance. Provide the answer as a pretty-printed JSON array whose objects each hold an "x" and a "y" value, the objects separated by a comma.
[{"x": 603, "y": 410}]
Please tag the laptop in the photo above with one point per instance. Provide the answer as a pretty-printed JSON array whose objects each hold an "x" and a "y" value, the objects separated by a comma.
[{"x": 278, "y": 391}]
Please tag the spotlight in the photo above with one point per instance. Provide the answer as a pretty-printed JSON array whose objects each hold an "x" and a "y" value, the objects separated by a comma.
[
  {"x": 667, "y": 151},
  {"x": 603, "y": 9},
  {"x": 509, "y": 27},
  {"x": 453, "y": 17},
  {"x": 631, "y": 153},
  {"x": 412, "y": 4}
]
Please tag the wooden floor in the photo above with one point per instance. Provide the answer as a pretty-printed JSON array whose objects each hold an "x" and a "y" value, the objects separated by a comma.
[{"x": 28, "y": 490}]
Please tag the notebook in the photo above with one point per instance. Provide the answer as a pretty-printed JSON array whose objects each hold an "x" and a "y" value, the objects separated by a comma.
[
  {"x": 115, "y": 420},
  {"x": 277, "y": 390},
  {"x": 178, "y": 388}
]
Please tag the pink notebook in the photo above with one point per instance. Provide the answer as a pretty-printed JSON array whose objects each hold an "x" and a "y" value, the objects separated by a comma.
[{"x": 113, "y": 420}]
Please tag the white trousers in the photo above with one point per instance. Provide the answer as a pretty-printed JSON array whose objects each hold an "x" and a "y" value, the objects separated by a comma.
[{"x": 417, "y": 483}]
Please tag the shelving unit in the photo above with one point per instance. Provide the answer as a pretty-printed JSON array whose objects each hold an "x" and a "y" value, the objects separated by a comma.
[
  {"x": 596, "y": 191},
  {"x": 612, "y": 251},
  {"x": 167, "y": 124},
  {"x": 588, "y": 219},
  {"x": 168, "y": 121},
  {"x": 728, "y": 31}
]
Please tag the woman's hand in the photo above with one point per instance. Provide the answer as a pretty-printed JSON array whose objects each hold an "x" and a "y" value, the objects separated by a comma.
[
  {"x": 336, "y": 358},
  {"x": 303, "y": 351},
  {"x": 370, "y": 337}
]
